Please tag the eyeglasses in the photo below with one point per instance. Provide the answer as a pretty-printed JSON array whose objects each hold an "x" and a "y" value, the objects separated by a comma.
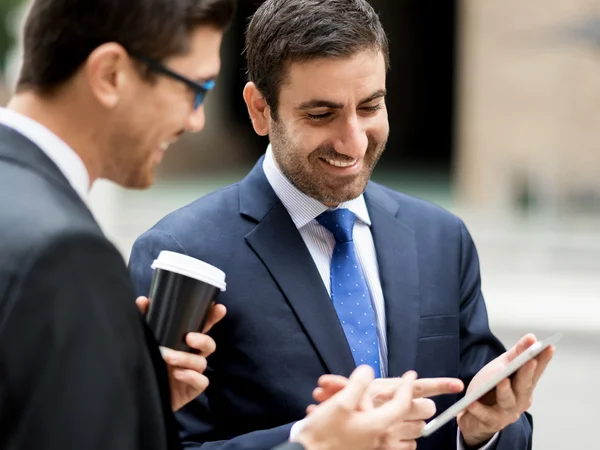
[{"x": 200, "y": 89}]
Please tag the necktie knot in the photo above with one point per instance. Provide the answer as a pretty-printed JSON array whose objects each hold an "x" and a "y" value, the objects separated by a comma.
[{"x": 340, "y": 222}]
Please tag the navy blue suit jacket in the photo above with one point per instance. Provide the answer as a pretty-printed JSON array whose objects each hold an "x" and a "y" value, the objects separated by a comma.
[{"x": 281, "y": 331}]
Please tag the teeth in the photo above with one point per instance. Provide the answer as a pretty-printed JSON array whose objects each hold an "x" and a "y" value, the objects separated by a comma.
[
  {"x": 341, "y": 164},
  {"x": 164, "y": 146}
]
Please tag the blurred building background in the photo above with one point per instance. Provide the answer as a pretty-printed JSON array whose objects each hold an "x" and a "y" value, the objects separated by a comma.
[{"x": 494, "y": 114}]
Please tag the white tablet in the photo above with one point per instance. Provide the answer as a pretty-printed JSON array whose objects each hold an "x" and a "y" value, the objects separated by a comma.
[{"x": 471, "y": 397}]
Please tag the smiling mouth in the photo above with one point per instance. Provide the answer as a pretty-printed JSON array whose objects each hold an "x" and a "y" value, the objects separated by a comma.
[{"x": 341, "y": 164}]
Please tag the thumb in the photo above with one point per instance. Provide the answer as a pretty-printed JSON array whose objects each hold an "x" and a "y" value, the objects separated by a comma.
[{"x": 349, "y": 397}]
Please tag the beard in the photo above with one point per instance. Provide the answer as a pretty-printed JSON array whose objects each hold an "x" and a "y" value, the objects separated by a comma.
[
  {"x": 131, "y": 161},
  {"x": 309, "y": 175}
]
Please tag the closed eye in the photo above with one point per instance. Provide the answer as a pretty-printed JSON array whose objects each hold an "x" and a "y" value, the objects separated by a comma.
[
  {"x": 371, "y": 108},
  {"x": 317, "y": 117}
]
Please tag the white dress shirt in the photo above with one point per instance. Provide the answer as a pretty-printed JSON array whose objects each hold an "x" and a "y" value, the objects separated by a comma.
[
  {"x": 65, "y": 158},
  {"x": 320, "y": 243}
]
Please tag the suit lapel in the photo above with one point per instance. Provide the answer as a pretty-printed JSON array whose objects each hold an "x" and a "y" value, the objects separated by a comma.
[
  {"x": 280, "y": 247},
  {"x": 398, "y": 271},
  {"x": 16, "y": 148}
]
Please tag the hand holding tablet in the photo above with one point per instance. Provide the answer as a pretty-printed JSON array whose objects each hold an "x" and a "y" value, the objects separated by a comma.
[{"x": 501, "y": 368}]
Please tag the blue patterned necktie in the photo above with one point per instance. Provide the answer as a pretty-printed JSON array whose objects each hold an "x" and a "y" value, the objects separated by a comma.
[{"x": 349, "y": 290}]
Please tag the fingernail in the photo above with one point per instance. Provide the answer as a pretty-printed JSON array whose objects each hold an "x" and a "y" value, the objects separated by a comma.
[{"x": 411, "y": 374}]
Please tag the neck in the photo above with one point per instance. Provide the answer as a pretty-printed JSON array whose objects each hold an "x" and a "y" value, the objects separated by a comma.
[{"x": 64, "y": 118}]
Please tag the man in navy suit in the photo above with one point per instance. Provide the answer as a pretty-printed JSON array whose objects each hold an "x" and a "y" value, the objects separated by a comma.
[{"x": 325, "y": 269}]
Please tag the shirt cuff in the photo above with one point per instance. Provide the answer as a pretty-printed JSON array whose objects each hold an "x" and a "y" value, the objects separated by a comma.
[
  {"x": 460, "y": 445},
  {"x": 296, "y": 428}
]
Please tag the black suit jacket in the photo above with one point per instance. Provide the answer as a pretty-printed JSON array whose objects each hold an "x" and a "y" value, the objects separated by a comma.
[
  {"x": 78, "y": 367},
  {"x": 289, "y": 446}
]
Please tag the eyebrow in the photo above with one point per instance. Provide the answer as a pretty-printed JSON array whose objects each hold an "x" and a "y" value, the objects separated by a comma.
[{"x": 316, "y": 103}]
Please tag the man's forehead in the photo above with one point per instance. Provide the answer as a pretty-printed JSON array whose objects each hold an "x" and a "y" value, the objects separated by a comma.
[{"x": 360, "y": 75}]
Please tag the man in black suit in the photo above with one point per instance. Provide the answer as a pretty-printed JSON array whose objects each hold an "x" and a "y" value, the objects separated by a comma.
[{"x": 105, "y": 87}]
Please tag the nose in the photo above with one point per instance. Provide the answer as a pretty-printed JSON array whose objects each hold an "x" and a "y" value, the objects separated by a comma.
[
  {"x": 196, "y": 120},
  {"x": 353, "y": 139}
]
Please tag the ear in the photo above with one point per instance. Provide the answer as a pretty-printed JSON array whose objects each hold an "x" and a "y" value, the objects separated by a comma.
[
  {"x": 259, "y": 111},
  {"x": 108, "y": 71}
]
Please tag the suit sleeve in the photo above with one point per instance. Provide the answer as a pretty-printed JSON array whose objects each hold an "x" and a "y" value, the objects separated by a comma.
[
  {"x": 72, "y": 342},
  {"x": 143, "y": 253},
  {"x": 196, "y": 420},
  {"x": 290, "y": 446},
  {"x": 478, "y": 345}
]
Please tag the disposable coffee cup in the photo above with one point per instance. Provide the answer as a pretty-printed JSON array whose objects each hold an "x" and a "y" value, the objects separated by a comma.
[{"x": 181, "y": 294}]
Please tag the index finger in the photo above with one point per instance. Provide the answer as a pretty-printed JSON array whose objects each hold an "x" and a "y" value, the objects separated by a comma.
[
  {"x": 430, "y": 387},
  {"x": 217, "y": 312},
  {"x": 332, "y": 382}
]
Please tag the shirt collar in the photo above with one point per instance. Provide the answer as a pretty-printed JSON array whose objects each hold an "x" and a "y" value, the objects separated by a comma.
[
  {"x": 301, "y": 207},
  {"x": 63, "y": 156}
]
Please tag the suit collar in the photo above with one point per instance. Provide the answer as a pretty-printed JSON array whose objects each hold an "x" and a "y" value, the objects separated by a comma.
[
  {"x": 257, "y": 197},
  {"x": 58, "y": 151},
  {"x": 375, "y": 194},
  {"x": 16, "y": 148}
]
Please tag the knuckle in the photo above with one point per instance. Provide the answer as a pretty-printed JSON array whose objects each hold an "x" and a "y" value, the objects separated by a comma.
[
  {"x": 418, "y": 427},
  {"x": 169, "y": 358},
  {"x": 189, "y": 360},
  {"x": 342, "y": 409},
  {"x": 201, "y": 364},
  {"x": 201, "y": 382},
  {"x": 211, "y": 345},
  {"x": 204, "y": 343}
]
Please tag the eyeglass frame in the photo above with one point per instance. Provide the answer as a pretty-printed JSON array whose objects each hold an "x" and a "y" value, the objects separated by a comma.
[{"x": 200, "y": 89}]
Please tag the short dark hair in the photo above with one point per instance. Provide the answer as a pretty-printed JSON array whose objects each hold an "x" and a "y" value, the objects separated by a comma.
[
  {"x": 59, "y": 35},
  {"x": 282, "y": 32}
]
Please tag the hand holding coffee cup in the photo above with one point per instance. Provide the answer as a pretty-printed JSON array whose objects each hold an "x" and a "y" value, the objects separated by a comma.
[
  {"x": 182, "y": 295},
  {"x": 185, "y": 369},
  {"x": 181, "y": 303}
]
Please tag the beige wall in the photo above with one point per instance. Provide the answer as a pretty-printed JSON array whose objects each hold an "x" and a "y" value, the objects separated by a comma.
[{"x": 529, "y": 101}]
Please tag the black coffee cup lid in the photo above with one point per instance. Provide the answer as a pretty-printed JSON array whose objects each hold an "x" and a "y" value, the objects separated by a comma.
[{"x": 190, "y": 267}]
